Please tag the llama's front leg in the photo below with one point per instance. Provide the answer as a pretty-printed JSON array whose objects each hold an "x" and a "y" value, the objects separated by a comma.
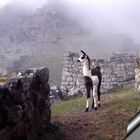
[
  {"x": 88, "y": 98},
  {"x": 95, "y": 99},
  {"x": 87, "y": 105}
]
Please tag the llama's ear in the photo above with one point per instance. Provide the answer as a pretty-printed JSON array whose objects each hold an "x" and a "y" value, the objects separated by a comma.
[{"x": 83, "y": 52}]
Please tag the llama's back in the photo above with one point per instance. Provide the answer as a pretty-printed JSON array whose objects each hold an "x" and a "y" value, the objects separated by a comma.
[{"x": 96, "y": 72}]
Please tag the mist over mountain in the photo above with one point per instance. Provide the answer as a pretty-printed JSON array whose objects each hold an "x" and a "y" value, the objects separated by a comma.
[{"x": 45, "y": 34}]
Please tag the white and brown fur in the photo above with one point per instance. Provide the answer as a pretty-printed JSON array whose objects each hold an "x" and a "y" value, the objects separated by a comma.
[{"x": 92, "y": 81}]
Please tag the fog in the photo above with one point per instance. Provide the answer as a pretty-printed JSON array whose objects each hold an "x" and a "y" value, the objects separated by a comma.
[
  {"x": 108, "y": 16},
  {"x": 102, "y": 16},
  {"x": 22, "y": 34},
  {"x": 28, "y": 4}
]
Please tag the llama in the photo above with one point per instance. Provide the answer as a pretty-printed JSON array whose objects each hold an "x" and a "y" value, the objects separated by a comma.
[{"x": 92, "y": 80}]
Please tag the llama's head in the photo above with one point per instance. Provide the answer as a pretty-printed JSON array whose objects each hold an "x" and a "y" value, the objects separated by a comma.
[{"x": 84, "y": 58}]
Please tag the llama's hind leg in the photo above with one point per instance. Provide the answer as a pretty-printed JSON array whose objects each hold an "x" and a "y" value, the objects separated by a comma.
[
  {"x": 99, "y": 94},
  {"x": 92, "y": 100}
]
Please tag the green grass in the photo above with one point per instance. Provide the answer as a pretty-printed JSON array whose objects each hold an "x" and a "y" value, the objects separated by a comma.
[
  {"x": 68, "y": 106},
  {"x": 111, "y": 120},
  {"x": 52, "y": 132},
  {"x": 125, "y": 99}
]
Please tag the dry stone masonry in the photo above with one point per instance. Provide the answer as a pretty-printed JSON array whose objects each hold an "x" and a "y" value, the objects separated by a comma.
[
  {"x": 137, "y": 79},
  {"x": 137, "y": 75},
  {"x": 117, "y": 71},
  {"x": 25, "y": 106}
]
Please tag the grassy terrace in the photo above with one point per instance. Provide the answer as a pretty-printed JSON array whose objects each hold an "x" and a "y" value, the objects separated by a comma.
[
  {"x": 125, "y": 99},
  {"x": 108, "y": 123}
]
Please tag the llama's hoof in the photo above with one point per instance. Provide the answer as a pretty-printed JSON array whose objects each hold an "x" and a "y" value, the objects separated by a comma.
[
  {"x": 95, "y": 108},
  {"x": 86, "y": 110}
]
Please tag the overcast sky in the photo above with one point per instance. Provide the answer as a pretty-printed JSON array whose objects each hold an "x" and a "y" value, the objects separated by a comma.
[
  {"x": 120, "y": 16},
  {"x": 29, "y": 3}
]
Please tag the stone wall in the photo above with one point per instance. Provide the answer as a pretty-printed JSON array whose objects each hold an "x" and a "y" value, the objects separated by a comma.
[
  {"x": 116, "y": 71},
  {"x": 25, "y": 106},
  {"x": 137, "y": 79}
]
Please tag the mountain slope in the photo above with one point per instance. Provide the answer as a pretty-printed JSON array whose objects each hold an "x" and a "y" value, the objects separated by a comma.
[{"x": 50, "y": 32}]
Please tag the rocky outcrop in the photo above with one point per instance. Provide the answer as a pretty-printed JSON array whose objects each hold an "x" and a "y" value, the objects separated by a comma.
[
  {"x": 25, "y": 106},
  {"x": 56, "y": 94},
  {"x": 118, "y": 71},
  {"x": 75, "y": 92}
]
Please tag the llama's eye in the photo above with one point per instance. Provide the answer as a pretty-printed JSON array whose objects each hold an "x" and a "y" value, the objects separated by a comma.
[{"x": 83, "y": 57}]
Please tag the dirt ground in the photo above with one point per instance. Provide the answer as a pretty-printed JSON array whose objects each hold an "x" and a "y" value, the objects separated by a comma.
[
  {"x": 94, "y": 125},
  {"x": 109, "y": 122}
]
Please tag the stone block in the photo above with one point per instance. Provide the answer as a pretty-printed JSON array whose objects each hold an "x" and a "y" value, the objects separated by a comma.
[
  {"x": 69, "y": 78},
  {"x": 65, "y": 73}
]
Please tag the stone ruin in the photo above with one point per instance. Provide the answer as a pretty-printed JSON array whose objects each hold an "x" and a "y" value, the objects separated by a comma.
[
  {"x": 25, "y": 106},
  {"x": 137, "y": 79},
  {"x": 118, "y": 71},
  {"x": 137, "y": 75}
]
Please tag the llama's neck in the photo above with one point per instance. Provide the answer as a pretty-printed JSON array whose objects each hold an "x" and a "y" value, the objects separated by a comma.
[{"x": 86, "y": 70}]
